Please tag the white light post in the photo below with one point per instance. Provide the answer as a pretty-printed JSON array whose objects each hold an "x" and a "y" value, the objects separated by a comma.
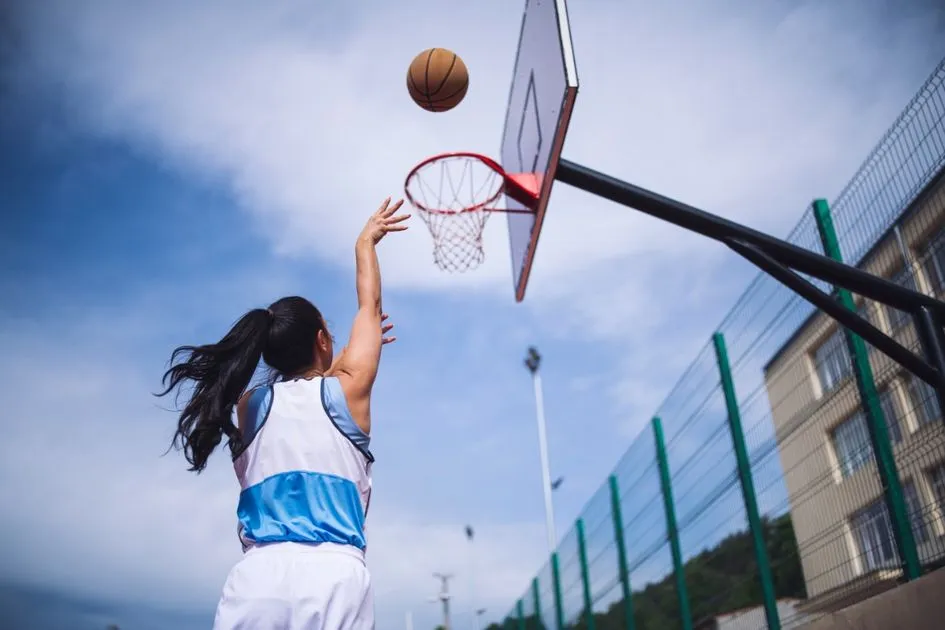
[
  {"x": 470, "y": 536},
  {"x": 533, "y": 362}
]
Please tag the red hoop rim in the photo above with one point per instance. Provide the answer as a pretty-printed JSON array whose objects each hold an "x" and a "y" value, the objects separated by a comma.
[{"x": 486, "y": 160}]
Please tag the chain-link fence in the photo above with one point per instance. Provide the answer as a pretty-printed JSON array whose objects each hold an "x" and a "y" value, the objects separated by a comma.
[{"x": 794, "y": 469}]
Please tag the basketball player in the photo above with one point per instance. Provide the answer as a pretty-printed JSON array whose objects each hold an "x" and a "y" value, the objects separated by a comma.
[{"x": 300, "y": 449}]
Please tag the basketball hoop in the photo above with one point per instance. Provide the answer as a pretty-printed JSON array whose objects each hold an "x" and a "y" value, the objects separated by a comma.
[{"x": 455, "y": 193}]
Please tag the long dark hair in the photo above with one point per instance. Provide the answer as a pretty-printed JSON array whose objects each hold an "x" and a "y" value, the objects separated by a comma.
[{"x": 283, "y": 335}]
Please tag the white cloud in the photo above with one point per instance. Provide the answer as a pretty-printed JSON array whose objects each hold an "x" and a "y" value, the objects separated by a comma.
[{"x": 310, "y": 128}]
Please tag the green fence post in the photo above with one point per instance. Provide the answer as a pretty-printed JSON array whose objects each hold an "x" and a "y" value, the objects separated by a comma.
[
  {"x": 556, "y": 579},
  {"x": 537, "y": 597},
  {"x": 743, "y": 465},
  {"x": 585, "y": 575},
  {"x": 666, "y": 483},
  {"x": 621, "y": 552},
  {"x": 520, "y": 610},
  {"x": 876, "y": 422}
]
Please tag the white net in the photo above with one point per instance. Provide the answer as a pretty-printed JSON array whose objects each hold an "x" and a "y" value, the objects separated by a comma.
[{"x": 455, "y": 195}]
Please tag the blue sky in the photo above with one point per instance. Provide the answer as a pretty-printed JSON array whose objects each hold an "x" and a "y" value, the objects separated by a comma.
[{"x": 167, "y": 167}]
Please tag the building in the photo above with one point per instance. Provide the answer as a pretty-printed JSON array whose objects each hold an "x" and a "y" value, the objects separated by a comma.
[{"x": 837, "y": 508}]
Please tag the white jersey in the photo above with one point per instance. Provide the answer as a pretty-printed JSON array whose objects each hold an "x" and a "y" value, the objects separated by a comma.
[
  {"x": 305, "y": 468},
  {"x": 305, "y": 479}
]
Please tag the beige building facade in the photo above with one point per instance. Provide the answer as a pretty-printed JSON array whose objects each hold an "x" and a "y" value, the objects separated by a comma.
[{"x": 836, "y": 501}]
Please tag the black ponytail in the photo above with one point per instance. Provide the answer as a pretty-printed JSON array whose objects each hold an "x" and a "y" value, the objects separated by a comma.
[
  {"x": 220, "y": 373},
  {"x": 283, "y": 335}
]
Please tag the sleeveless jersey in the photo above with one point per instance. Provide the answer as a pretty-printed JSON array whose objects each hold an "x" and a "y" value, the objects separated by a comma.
[{"x": 305, "y": 468}]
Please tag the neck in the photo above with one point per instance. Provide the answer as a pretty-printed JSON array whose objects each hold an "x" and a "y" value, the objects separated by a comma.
[
  {"x": 313, "y": 372},
  {"x": 310, "y": 373}
]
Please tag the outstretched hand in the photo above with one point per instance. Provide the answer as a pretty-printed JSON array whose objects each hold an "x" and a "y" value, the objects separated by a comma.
[
  {"x": 384, "y": 221},
  {"x": 386, "y": 328}
]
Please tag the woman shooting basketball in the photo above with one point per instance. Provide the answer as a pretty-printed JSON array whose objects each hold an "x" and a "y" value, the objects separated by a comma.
[{"x": 300, "y": 450}]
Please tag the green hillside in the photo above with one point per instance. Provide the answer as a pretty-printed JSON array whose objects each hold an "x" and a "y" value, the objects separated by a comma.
[{"x": 721, "y": 579}]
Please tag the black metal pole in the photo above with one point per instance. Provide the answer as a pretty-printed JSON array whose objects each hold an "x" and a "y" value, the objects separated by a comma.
[
  {"x": 889, "y": 346},
  {"x": 717, "y": 228},
  {"x": 783, "y": 261},
  {"x": 932, "y": 337}
]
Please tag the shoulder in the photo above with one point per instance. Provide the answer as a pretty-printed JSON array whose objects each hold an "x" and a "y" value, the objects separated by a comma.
[{"x": 336, "y": 407}]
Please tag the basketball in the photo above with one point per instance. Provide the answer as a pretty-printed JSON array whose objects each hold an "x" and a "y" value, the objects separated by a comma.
[{"x": 437, "y": 79}]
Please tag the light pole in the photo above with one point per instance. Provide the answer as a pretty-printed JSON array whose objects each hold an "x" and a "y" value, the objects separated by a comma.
[
  {"x": 533, "y": 362},
  {"x": 472, "y": 577},
  {"x": 444, "y": 597}
]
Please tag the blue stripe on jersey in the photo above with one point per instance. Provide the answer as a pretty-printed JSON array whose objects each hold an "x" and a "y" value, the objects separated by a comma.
[
  {"x": 336, "y": 406},
  {"x": 303, "y": 507}
]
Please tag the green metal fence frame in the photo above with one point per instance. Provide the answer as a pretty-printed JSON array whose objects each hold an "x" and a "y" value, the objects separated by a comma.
[
  {"x": 624, "y": 572},
  {"x": 672, "y": 531},
  {"x": 747, "y": 483},
  {"x": 585, "y": 575},
  {"x": 536, "y": 595},
  {"x": 875, "y": 419},
  {"x": 556, "y": 586}
]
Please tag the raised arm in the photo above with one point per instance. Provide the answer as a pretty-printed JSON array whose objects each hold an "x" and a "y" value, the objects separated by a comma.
[{"x": 356, "y": 367}]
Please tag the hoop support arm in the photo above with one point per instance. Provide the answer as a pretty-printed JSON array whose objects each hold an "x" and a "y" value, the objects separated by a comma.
[
  {"x": 783, "y": 261},
  {"x": 827, "y": 303}
]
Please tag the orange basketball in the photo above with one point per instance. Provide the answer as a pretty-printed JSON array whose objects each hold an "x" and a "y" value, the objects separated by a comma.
[{"x": 437, "y": 79}]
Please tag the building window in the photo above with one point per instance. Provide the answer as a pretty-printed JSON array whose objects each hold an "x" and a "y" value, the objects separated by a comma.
[
  {"x": 924, "y": 401},
  {"x": 916, "y": 513},
  {"x": 937, "y": 481},
  {"x": 851, "y": 444},
  {"x": 832, "y": 359},
  {"x": 873, "y": 532},
  {"x": 897, "y": 318},
  {"x": 892, "y": 414},
  {"x": 873, "y": 535},
  {"x": 933, "y": 261}
]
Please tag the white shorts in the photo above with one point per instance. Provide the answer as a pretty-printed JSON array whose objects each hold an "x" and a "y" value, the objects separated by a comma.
[{"x": 290, "y": 586}]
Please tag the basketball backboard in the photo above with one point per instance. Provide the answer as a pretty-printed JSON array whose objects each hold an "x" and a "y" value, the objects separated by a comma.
[{"x": 544, "y": 85}]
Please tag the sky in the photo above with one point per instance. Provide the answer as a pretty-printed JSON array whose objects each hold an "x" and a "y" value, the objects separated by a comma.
[{"x": 166, "y": 166}]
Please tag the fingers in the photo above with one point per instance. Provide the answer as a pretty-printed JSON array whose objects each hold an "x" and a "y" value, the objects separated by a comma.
[
  {"x": 384, "y": 221},
  {"x": 386, "y": 328},
  {"x": 394, "y": 208},
  {"x": 386, "y": 209},
  {"x": 397, "y": 219},
  {"x": 393, "y": 224}
]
